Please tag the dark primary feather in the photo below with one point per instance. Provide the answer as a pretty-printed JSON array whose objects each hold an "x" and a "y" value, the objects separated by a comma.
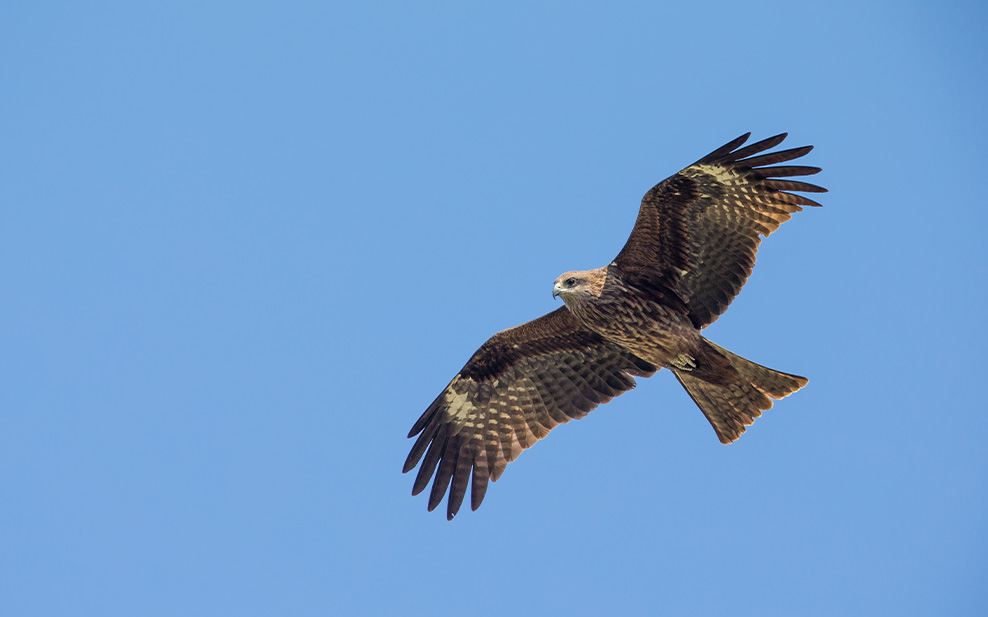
[
  {"x": 517, "y": 387},
  {"x": 698, "y": 231}
]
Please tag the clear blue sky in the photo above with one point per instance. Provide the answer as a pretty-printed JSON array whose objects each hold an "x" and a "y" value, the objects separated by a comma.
[{"x": 246, "y": 244}]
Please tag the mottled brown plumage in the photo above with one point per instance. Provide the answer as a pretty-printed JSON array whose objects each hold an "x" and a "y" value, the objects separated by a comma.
[{"x": 690, "y": 252}]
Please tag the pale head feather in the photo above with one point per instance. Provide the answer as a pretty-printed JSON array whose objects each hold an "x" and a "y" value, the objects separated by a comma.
[{"x": 579, "y": 285}]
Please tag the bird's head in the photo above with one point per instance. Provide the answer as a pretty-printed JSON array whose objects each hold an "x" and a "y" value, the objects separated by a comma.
[{"x": 573, "y": 287}]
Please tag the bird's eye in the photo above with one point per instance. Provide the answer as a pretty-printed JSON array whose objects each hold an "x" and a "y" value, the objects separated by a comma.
[{"x": 570, "y": 282}]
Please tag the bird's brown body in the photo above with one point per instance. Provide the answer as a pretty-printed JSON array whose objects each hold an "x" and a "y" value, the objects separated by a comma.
[
  {"x": 654, "y": 328},
  {"x": 690, "y": 252}
]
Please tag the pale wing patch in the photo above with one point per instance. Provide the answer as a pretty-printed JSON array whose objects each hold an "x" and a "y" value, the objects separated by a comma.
[{"x": 717, "y": 172}]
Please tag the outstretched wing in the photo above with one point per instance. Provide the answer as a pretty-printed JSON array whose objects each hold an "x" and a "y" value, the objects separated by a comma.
[
  {"x": 520, "y": 384},
  {"x": 698, "y": 231}
]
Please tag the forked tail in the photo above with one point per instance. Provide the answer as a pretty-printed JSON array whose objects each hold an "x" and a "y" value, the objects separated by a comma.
[{"x": 732, "y": 406}]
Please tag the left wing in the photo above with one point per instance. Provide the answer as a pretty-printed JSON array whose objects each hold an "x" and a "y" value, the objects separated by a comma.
[
  {"x": 518, "y": 386},
  {"x": 698, "y": 231}
]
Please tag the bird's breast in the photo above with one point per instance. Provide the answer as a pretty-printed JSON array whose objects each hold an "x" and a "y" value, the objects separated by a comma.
[{"x": 651, "y": 331}]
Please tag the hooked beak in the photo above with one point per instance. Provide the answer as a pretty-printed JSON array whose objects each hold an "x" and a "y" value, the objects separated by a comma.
[{"x": 556, "y": 291}]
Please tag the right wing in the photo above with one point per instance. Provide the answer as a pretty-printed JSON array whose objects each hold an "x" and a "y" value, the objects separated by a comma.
[{"x": 518, "y": 386}]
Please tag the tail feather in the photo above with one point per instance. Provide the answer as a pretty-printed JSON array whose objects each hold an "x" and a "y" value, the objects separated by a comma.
[
  {"x": 733, "y": 406},
  {"x": 774, "y": 383}
]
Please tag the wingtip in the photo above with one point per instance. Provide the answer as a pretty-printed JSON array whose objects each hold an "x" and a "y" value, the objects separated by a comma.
[
  {"x": 416, "y": 489},
  {"x": 765, "y": 144}
]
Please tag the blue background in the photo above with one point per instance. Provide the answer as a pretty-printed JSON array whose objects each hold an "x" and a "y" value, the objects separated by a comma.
[{"x": 245, "y": 244}]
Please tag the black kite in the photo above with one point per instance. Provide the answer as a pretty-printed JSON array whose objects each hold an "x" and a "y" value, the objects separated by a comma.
[{"x": 690, "y": 252}]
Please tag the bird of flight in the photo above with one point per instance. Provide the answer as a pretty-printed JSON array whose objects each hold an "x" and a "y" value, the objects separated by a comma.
[{"x": 690, "y": 252}]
